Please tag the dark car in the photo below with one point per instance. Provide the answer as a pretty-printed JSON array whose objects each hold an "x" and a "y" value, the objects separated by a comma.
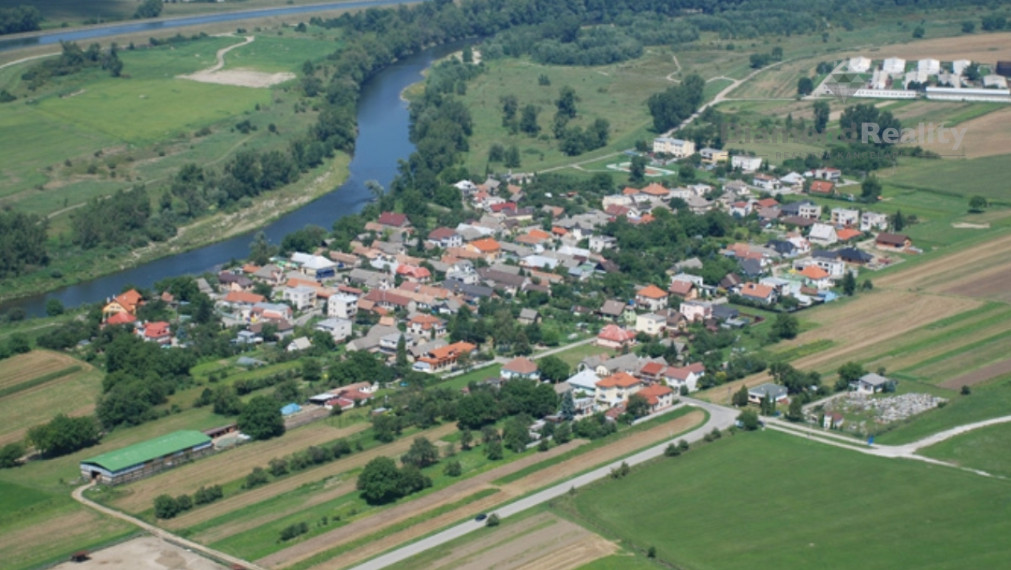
[{"x": 481, "y": 517}]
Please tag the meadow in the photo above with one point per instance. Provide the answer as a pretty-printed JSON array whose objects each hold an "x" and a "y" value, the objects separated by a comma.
[
  {"x": 983, "y": 449},
  {"x": 770, "y": 500}
]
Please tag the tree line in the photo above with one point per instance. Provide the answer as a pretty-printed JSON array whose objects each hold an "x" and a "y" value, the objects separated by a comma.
[{"x": 20, "y": 18}]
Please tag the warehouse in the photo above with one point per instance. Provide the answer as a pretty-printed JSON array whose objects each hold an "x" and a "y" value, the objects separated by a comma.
[{"x": 146, "y": 458}]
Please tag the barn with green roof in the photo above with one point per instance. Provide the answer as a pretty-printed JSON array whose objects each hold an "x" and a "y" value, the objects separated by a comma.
[{"x": 147, "y": 457}]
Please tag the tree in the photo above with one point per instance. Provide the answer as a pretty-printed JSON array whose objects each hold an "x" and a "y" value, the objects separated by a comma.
[
  {"x": 260, "y": 249},
  {"x": 977, "y": 204},
  {"x": 492, "y": 521},
  {"x": 312, "y": 370},
  {"x": 870, "y": 189},
  {"x": 512, "y": 157},
  {"x": 379, "y": 481},
  {"x": 256, "y": 477},
  {"x": 453, "y": 469},
  {"x": 968, "y": 27},
  {"x": 466, "y": 439},
  {"x": 740, "y": 397},
  {"x": 821, "y": 114},
  {"x": 421, "y": 454},
  {"x": 493, "y": 450},
  {"x": 749, "y": 420},
  {"x": 528, "y": 120},
  {"x": 785, "y": 326},
  {"x": 11, "y": 454},
  {"x": 849, "y": 284},
  {"x": 805, "y": 86},
  {"x": 993, "y": 23},
  {"x": 165, "y": 507},
  {"x": 848, "y": 374},
  {"x": 795, "y": 413},
  {"x": 637, "y": 169},
  {"x": 563, "y": 433},
  {"x": 64, "y": 435},
  {"x": 568, "y": 406},
  {"x": 149, "y": 9},
  {"x": 637, "y": 406},
  {"x": 566, "y": 102},
  {"x": 553, "y": 369},
  {"x": 261, "y": 418},
  {"x": 54, "y": 307},
  {"x": 898, "y": 221},
  {"x": 918, "y": 32},
  {"x": 401, "y": 353}
]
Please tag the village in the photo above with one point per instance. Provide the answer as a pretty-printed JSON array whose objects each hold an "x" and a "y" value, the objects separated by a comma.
[{"x": 896, "y": 78}]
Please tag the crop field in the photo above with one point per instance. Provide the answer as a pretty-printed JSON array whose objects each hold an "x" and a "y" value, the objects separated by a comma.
[
  {"x": 28, "y": 383},
  {"x": 693, "y": 521},
  {"x": 984, "y": 449},
  {"x": 542, "y": 540}
]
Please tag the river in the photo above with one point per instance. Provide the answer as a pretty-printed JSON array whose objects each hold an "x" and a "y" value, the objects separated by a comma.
[
  {"x": 382, "y": 140},
  {"x": 107, "y": 30}
]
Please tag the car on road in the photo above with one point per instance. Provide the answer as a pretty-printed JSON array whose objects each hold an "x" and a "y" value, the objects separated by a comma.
[{"x": 481, "y": 517}]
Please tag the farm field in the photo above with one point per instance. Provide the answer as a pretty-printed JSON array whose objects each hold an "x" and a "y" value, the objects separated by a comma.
[
  {"x": 27, "y": 385},
  {"x": 985, "y": 449},
  {"x": 321, "y": 549},
  {"x": 700, "y": 528},
  {"x": 541, "y": 540}
]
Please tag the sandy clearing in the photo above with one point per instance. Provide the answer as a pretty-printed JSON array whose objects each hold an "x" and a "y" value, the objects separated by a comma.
[
  {"x": 534, "y": 481},
  {"x": 979, "y": 375},
  {"x": 227, "y": 466},
  {"x": 289, "y": 483},
  {"x": 144, "y": 553},
  {"x": 239, "y": 77}
]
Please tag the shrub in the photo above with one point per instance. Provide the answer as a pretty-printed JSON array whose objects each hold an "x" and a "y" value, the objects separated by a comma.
[{"x": 492, "y": 520}]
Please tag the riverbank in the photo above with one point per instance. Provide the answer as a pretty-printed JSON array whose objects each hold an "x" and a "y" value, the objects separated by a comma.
[{"x": 217, "y": 227}]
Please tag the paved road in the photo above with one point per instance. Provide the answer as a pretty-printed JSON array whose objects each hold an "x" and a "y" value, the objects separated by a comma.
[
  {"x": 719, "y": 417},
  {"x": 163, "y": 534}
]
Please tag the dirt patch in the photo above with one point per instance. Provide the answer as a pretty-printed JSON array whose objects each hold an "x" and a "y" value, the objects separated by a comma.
[
  {"x": 226, "y": 466},
  {"x": 542, "y": 542},
  {"x": 535, "y": 480},
  {"x": 145, "y": 553},
  {"x": 240, "y": 77},
  {"x": 968, "y": 226},
  {"x": 979, "y": 375}
]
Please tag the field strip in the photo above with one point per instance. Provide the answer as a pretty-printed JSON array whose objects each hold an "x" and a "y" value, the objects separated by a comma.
[
  {"x": 228, "y": 465},
  {"x": 39, "y": 381},
  {"x": 530, "y": 483},
  {"x": 953, "y": 265},
  {"x": 31, "y": 365},
  {"x": 979, "y": 376},
  {"x": 292, "y": 482}
]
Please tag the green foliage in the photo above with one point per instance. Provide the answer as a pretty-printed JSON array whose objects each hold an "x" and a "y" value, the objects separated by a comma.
[
  {"x": 993, "y": 23},
  {"x": 968, "y": 27},
  {"x": 821, "y": 115},
  {"x": 593, "y": 427},
  {"x": 64, "y": 435},
  {"x": 785, "y": 325},
  {"x": 165, "y": 507},
  {"x": 206, "y": 495},
  {"x": 637, "y": 406},
  {"x": 748, "y": 419},
  {"x": 149, "y": 9},
  {"x": 977, "y": 204},
  {"x": 381, "y": 482},
  {"x": 849, "y": 283},
  {"x": 22, "y": 242},
  {"x": 740, "y": 397},
  {"x": 492, "y": 521},
  {"x": 677, "y": 103},
  {"x": 805, "y": 86},
  {"x": 453, "y": 468},
  {"x": 918, "y": 32},
  {"x": 293, "y": 530},
  {"x": 11, "y": 454},
  {"x": 261, "y": 418},
  {"x": 258, "y": 476},
  {"x": 870, "y": 189},
  {"x": 421, "y": 454},
  {"x": 20, "y": 18},
  {"x": 493, "y": 450},
  {"x": 848, "y": 374},
  {"x": 553, "y": 369},
  {"x": 795, "y": 412}
]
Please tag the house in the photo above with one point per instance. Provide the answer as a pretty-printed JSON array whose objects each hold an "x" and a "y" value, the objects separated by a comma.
[
  {"x": 854, "y": 256},
  {"x": 615, "y": 389},
  {"x": 242, "y": 298},
  {"x": 342, "y": 306},
  {"x": 847, "y": 234},
  {"x": 487, "y": 248},
  {"x": 583, "y": 381},
  {"x": 793, "y": 180},
  {"x": 817, "y": 277},
  {"x": 651, "y": 298},
  {"x": 270, "y": 312},
  {"x": 928, "y": 66},
  {"x": 870, "y": 221},
  {"x": 830, "y": 174},
  {"x": 696, "y": 310},
  {"x": 774, "y": 392},
  {"x": 522, "y": 368},
  {"x": 766, "y": 182},
  {"x": 613, "y": 336},
  {"x": 443, "y": 358},
  {"x": 871, "y": 383},
  {"x": 713, "y": 155},
  {"x": 677, "y": 148},
  {"x": 301, "y": 297},
  {"x": 832, "y": 420},
  {"x": 758, "y": 293},
  {"x": 809, "y": 210},
  {"x": 414, "y": 273},
  {"x": 393, "y": 220},
  {"x": 684, "y": 376},
  {"x": 895, "y": 242},
  {"x": 746, "y": 163},
  {"x": 528, "y": 316},
  {"x": 894, "y": 65},
  {"x": 994, "y": 82},
  {"x": 683, "y": 288},
  {"x": 299, "y": 344},
  {"x": 841, "y": 217},
  {"x": 444, "y": 237},
  {"x": 612, "y": 309},
  {"x": 336, "y": 327},
  {"x": 315, "y": 266},
  {"x": 126, "y": 302},
  {"x": 427, "y": 326},
  {"x": 698, "y": 205},
  {"x": 156, "y": 331},
  {"x": 824, "y": 187},
  {"x": 859, "y": 64},
  {"x": 650, "y": 323},
  {"x": 822, "y": 234},
  {"x": 657, "y": 396}
]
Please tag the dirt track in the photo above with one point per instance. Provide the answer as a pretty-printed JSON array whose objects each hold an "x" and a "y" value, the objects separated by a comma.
[
  {"x": 508, "y": 491},
  {"x": 237, "y": 77},
  {"x": 144, "y": 553}
]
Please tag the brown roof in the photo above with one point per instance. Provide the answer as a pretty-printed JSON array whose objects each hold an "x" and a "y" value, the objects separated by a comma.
[
  {"x": 822, "y": 186},
  {"x": 756, "y": 290},
  {"x": 654, "y": 392},
  {"x": 891, "y": 239},
  {"x": 393, "y": 219},
  {"x": 521, "y": 366},
  {"x": 618, "y": 380},
  {"x": 652, "y": 292}
]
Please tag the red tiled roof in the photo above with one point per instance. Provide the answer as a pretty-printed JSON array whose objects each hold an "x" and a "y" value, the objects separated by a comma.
[
  {"x": 822, "y": 186},
  {"x": 486, "y": 245},
  {"x": 814, "y": 272},
  {"x": 615, "y": 333},
  {"x": 756, "y": 290},
  {"x": 244, "y": 297},
  {"x": 654, "y": 392},
  {"x": 618, "y": 380},
  {"x": 652, "y": 368},
  {"x": 121, "y": 319},
  {"x": 393, "y": 219},
  {"x": 521, "y": 366},
  {"x": 441, "y": 234},
  {"x": 681, "y": 288},
  {"x": 847, "y": 234},
  {"x": 652, "y": 292}
]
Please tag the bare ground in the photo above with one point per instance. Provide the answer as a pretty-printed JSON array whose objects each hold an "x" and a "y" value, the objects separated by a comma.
[
  {"x": 145, "y": 553},
  {"x": 536, "y": 480}
]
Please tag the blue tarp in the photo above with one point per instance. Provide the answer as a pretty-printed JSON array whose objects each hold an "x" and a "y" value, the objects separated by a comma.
[{"x": 290, "y": 409}]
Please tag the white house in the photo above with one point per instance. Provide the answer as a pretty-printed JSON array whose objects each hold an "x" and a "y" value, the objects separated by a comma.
[
  {"x": 870, "y": 383},
  {"x": 958, "y": 66},
  {"x": 845, "y": 217},
  {"x": 301, "y": 297},
  {"x": 584, "y": 381},
  {"x": 342, "y": 306},
  {"x": 684, "y": 376},
  {"x": 338, "y": 328},
  {"x": 822, "y": 234},
  {"x": 650, "y": 323},
  {"x": 766, "y": 182},
  {"x": 894, "y": 65},
  {"x": 678, "y": 148},
  {"x": 859, "y": 64},
  {"x": 994, "y": 82},
  {"x": 615, "y": 389},
  {"x": 774, "y": 392},
  {"x": 522, "y": 368},
  {"x": 696, "y": 310},
  {"x": 746, "y": 163},
  {"x": 928, "y": 66},
  {"x": 809, "y": 210},
  {"x": 870, "y": 221}
]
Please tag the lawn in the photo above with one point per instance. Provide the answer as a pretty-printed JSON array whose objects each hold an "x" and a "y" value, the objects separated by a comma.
[
  {"x": 988, "y": 175},
  {"x": 985, "y": 448},
  {"x": 770, "y": 500}
]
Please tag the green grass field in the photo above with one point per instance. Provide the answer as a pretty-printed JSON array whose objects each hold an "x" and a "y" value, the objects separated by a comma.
[
  {"x": 984, "y": 449},
  {"x": 987, "y": 173},
  {"x": 770, "y": 500}
]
